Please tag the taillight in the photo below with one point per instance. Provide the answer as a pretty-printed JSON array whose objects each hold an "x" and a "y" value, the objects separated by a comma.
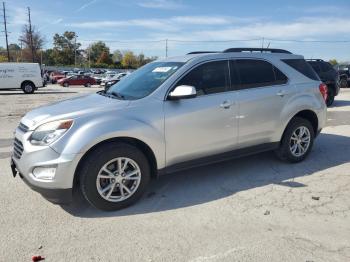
[{"x": 324, "y": 91}]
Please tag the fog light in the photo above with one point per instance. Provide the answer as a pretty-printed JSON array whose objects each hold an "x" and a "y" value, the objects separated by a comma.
[{"x": 46, "y": 173}]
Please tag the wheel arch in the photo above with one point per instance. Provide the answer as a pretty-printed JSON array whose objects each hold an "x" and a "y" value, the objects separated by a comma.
[
  {"x": 307, "y": 114},
  {"x": 146, "y": 149},
  {"x": 27, "y": 81}
]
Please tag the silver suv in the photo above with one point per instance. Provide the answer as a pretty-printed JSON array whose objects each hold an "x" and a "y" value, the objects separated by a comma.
[{"x": 169, "y": 115}]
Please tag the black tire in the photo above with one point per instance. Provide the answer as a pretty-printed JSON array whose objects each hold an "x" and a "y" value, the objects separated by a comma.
[
  {"x": 330, "y": 96},
  {"x": 284, "y": 151},
  {"x": 87, "y": 85},
  {"x": 95, "y": 161},
  {"x": 28, "y": 87},
  {"x": 65, "y": 84},
  {"x": 343, "y": 83}
]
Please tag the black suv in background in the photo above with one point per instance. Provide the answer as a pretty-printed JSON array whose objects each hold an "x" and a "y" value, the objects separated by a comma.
[
  {"x": 328, "y": 75},
  {"x": 344, "y": 75}
]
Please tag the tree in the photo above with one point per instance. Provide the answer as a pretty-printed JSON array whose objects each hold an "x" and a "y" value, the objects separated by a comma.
[
  {"x": 129, "y": 60},
  {"x": 104, "y": 58},
  {"x": 333, "y": 62},
  {"x": 96, "y": 50},
  {"x": 27, "y": 38},
  {"x": 64, "y": 48},
  {"x": 117, "y": 57}
]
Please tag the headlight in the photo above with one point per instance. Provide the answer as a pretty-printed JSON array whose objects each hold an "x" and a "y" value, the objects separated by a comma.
[{"x": 49, "y": 132}]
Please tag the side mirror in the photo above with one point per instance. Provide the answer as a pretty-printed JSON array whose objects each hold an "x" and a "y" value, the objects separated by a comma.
[{"x": 182, "y": 92}]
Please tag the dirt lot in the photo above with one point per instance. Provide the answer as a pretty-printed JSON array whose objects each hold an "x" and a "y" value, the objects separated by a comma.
[{"x": 251, "y": 209}]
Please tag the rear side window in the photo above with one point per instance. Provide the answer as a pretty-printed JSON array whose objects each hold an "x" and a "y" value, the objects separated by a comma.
[
  {"x": 208, "y": 78},
  {"x": 315, "y": 66},
  {"x": 257, "y": 73},
  {"x": 302, "y": 67},
  {"x": 326, "y": 67}
]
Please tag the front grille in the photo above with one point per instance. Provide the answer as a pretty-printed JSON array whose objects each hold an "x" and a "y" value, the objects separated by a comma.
[
  {"x": 23, "y": 127},
  {"x": 17, "y": 148}
]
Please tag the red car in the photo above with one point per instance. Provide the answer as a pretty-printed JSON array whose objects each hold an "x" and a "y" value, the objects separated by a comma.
[
  {"x": 55, "y": 76},
  {"x": 86, "y": 81}
]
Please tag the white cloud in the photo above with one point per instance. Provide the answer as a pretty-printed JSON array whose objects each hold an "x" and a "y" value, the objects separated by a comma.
[
  {"x": 161, "y": 4},
  {"x": 86, "y": 5},
  {"x": 307, "y": 28}
]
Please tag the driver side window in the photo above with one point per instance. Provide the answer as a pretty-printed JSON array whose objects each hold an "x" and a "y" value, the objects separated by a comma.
[{"x": 208, "y": 78}]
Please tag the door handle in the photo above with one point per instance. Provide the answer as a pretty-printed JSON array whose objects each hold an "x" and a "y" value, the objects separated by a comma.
[
  {"x": 281, "y": 93},
  {"x": 226, "y": 104}
]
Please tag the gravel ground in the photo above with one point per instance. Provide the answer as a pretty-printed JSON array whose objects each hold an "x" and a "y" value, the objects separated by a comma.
[{"x": 250, "y": 209}]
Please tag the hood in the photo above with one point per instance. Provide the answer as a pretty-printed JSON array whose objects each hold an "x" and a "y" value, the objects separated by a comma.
[{"x": 72, "y": 108}]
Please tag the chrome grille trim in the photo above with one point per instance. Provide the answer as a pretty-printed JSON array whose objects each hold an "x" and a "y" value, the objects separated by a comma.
[{"x": 17, "y": 148}]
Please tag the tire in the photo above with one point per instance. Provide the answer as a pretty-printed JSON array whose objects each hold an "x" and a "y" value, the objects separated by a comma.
[
  {"x": 65, "y": 84},
  {"x": 284, "y": 152},
  {"x": 330, "y": 97},
  {"x": 28, "y": 87},
  {"x": 343, "y": 83},
  {"x": 87, "y": 85},
  {"x": 104, "y": 156}
]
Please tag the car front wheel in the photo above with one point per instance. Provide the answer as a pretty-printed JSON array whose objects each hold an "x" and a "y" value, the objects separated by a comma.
[
  {"x": 66, "y": 84},
  {"x": 330, "y": 97},
  {"x": 297, "y": 141},
  {"x": 114, "y": 176}
]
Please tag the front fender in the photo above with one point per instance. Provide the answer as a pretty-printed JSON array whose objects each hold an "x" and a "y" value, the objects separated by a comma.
[{"x": 86, "y": 133}]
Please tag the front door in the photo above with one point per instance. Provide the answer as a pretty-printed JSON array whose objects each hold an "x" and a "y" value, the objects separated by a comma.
[{"x": 204, "y": 125}]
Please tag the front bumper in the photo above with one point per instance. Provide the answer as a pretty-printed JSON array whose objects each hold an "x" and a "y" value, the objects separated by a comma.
[
  {"x": 56, "y": 196},
  {"x": 59, "y": 188}
]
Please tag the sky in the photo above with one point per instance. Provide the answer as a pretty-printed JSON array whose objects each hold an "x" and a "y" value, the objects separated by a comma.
[{"x": 143, "y": 25}]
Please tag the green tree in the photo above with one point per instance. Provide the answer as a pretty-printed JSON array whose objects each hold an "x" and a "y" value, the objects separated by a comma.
[
  {"x": 64, "y": 48},
  {"x": 95, "y": 51},
  {"x": 129, "y": 60},
  {"x": 333, "y": 62},
  {"x": 104, "y": 58}
]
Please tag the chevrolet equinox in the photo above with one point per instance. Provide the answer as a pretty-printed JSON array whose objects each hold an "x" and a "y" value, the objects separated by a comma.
[{"x": 168, "y": 115}]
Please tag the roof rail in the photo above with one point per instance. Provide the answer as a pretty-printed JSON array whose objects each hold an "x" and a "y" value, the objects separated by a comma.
[
  {"x": 317, "y": 59},
  {"x": 271, "y": 50},
  {"x": 201, "y": 52}
]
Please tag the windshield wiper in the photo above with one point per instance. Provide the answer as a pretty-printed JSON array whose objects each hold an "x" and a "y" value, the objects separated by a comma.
[{"x": 120, "y": 96}]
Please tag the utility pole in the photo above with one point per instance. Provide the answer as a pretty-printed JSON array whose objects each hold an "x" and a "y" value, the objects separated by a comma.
[
  {"x": 31, "y": 35},
  {"x": 166, "y": 47},
  {"x": 75, "y": 51},
  {"x": 7, "y": 43}
]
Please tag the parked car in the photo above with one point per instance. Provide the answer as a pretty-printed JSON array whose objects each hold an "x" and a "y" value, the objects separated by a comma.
[
  {"x": 55, "y": 76},
  {"x": 328, "y": 75},
  {"x": 344, "y": 75},
  {"x": 25, "y": 76},
  {"x": 115, "y": 80},
  {"x": 106, "y": 78},
  {"x": 86, "y": 81},
  {"x": 169, "y": 115}
]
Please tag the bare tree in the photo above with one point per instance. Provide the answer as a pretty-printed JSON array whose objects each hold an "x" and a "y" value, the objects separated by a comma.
[{"x": 27, "y": 38}]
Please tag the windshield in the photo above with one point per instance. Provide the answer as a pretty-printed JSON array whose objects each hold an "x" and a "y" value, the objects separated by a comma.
[{"x": 145, "y": 80}]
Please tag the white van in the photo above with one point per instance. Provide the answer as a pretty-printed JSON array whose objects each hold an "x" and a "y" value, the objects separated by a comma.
[{"x": 26, "y": 76}]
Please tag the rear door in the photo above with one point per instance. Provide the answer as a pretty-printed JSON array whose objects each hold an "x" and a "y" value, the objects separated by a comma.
[{"x": 262, "y": 94}]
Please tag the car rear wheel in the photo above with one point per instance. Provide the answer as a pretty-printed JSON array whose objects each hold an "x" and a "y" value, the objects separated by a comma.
[
  {"x": 87, "y": 85},
  {"x": 65, "y": 84},
  {"x": 297, "y": 141},
  {"x": 114, "y": 176},
  {"x": 28, "y": 88}
]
